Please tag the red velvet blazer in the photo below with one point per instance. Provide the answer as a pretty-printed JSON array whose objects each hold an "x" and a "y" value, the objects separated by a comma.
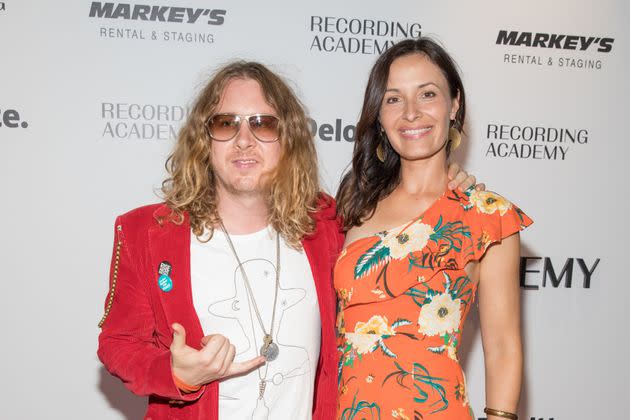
[{"x": 136, "y": 335}]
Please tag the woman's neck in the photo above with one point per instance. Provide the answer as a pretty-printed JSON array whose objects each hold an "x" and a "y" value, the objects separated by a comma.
[{"x": 425, "y": 176}]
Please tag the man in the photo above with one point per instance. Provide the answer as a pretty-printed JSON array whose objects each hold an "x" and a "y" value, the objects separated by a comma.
[{"x": 221, "y": 302}]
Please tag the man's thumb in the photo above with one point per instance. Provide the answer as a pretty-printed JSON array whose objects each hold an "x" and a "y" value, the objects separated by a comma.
[{"x": 179, "y": 336}]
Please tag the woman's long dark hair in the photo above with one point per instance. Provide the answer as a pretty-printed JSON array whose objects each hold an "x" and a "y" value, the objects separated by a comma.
[{"x": 371, "y": 180}]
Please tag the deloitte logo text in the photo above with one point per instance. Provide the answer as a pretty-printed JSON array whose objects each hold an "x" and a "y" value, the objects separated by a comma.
[
  {"x": 336, "y": 131},
  {"x": 141, "y": 12},
  {"x": 10, "y": 118}
]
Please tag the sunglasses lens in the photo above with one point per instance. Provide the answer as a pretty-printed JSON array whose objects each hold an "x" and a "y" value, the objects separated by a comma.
[
  {"x": 223, "y": 127},
  {"x": 264, "y": 127}
]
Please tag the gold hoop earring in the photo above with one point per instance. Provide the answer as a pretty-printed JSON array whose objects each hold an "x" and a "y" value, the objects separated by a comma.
[
  {"x": 454, "y": 137},
  {"x": 380, "y": 153}
]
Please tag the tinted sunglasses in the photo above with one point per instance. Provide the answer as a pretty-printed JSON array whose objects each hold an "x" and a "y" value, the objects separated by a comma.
[{"x": 224, "y": 127}]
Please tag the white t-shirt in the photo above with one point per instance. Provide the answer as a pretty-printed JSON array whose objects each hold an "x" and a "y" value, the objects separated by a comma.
[{"x": 222, "y": 304}]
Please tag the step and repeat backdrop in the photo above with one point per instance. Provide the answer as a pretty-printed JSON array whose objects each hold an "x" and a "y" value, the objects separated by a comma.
[{"x": 92, "y": 95}]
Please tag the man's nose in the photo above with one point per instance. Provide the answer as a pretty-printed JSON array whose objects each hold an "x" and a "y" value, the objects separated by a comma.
[{"x": 244, "y": 137}]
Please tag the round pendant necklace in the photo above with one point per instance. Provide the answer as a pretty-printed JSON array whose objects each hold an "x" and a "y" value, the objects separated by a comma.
[{"x": 269, "y": 349}]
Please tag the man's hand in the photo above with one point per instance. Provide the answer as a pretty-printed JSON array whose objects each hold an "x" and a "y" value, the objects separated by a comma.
[
  {"x": 214, "y": 361},
  {"x": 460, "y": 179}
]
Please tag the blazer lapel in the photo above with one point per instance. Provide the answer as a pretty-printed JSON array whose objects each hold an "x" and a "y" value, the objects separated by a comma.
[{"x": 170, "y": 243}]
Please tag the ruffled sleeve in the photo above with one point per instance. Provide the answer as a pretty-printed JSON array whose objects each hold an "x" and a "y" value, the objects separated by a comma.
[{"x": 491, "y": 218}]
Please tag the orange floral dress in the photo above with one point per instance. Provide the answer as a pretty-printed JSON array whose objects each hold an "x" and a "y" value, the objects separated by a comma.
[{"x": 403, "y": 297}]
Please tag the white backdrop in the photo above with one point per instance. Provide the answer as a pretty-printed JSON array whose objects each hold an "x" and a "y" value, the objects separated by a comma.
[{"x": 89, "y": 105}]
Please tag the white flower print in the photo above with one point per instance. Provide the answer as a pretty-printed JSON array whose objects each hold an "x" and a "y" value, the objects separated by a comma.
[
  {"x": 442, "y": 315},
  {"x": 414, "y": 238}
]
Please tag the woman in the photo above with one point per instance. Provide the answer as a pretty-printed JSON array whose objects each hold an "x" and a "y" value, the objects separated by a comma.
[{"x": 416, "y": 253}]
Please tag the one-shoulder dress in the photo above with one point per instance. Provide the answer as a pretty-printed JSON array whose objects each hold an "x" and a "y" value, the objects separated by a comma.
[{"x": 403, "y": 296}]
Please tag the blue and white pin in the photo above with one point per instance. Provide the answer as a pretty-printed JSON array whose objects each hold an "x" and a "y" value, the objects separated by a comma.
[{"x": 164, "y": 281}]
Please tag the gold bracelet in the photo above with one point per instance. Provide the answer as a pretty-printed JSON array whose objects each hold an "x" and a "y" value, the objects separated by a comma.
[{"x": 499, "y": 413}]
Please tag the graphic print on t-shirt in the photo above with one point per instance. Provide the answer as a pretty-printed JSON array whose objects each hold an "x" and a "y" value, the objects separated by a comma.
[
  {"x": 221, "y": 302},
  {"x": 293, "y": 359}
]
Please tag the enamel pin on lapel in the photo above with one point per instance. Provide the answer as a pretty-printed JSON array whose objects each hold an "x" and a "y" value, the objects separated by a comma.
[{"x": 164, "y": 281}]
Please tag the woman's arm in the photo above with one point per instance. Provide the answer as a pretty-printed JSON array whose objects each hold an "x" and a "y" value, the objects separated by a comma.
[{"x": 499, "y": 311}]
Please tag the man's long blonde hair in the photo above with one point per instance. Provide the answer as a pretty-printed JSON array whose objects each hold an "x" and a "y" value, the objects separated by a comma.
[{"x": 293, "y": 187}]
